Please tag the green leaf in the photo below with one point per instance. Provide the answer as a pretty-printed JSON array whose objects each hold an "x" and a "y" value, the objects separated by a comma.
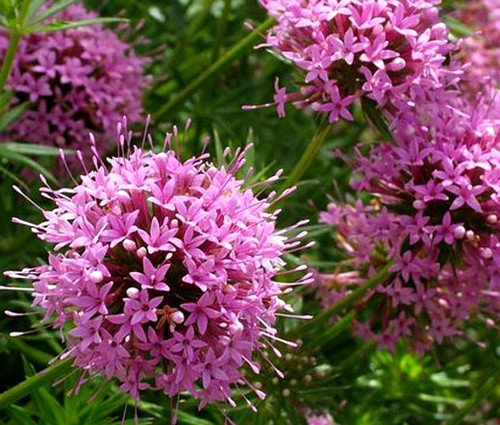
[
  {"x": 457, "y": 27},
  {"x": 375, "y": 117},
  {"x": 20, "y": 416},
  {"x": 54, "y": 372},
  {"x": 32, "y": 149},
  {"x": 13, "y": 177},
  {"x": 219, "y": 150},
  {"x": 186, "y": 418},
  {"x": 66, "y": 25},
  {"x": 47, "y": 407},
  {"x": 51, "y": 11},
  {"x": 34, "y": 8},
  {"x": 5, "y": 7},
  {"x": 5, "y": 99},
  {"x": 15, "y": 113},
  {"x": 16, "y": 157}
]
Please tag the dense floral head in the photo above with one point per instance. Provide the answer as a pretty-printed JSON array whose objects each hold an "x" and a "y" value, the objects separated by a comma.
[
  {"x": 481, "y": 51},
  {"x": 387, "y": 50},
  {"x": 435, "y": 212},
  {"x": 79, "y": 81},
  {"x": 164, "y": 271}
]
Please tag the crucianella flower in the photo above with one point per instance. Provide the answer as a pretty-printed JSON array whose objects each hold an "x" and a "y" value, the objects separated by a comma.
[
  {"x": 79, "y": 81},
  {"x": 320, "y": 420},
  {"x": 165, "y": 272},
  {"x": 482, "y": 50},
  {"x": 389, "y": 51},
  {"x": 434, "y": 213}
]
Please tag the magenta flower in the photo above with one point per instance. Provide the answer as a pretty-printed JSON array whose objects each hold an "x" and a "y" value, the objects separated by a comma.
[
  {"x": 317, "y": 419},
  {"x": 391, "y": 52},
  {"x": 164, "y": 271},
  {"x": 435, "y": 214},
  {"x": 482, "y": 51},
  {"x": 80, "y": 80}
]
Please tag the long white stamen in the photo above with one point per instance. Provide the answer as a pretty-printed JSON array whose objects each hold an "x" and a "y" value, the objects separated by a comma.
[
  {"x": 283, "y": 341},
  {"x": 13, "y": 288}
]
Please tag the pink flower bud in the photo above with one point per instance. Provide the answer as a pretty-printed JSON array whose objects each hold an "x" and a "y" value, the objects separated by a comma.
[
  {"x": 96, "y": 276},
  {"x": 142, "y": 252},
  {"x": 459, "y": 232},
  {"x": 129, "y": 245}
]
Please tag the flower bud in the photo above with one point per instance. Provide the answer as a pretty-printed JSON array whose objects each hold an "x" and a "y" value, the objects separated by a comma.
[
  {"x": 141, "y": 252},
  {"x": 129, "y": 245},
  {"x": 96, "y": 276},
  {"x": 459, "y": 232}
]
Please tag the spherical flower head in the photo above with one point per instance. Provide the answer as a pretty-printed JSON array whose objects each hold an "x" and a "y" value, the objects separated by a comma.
[
  {"x": 388, "y": 51},
  {"x": 481, "y": 51},
  {"x": 164, "y": 271},
  {"x": 435, "y": 214},
  {"x": 78, "y": 81}
]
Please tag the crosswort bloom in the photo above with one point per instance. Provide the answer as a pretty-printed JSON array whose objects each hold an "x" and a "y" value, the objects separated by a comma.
[
  {"x": 78, "y": 81},
  {"x": 165, "y": 271},
  {"x": 388, "y": 51},
  {"x": 434, "y": 212}
]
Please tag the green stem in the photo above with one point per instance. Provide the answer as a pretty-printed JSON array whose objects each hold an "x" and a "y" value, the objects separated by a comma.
[
  {"x": 345, "y": 302},
  {"x": 233, "y": 53},
  {"x": 483, "y": 392},
  {"x": 353, "y": 359},
  {"x": 14, "y": 38},
  {"x": 323, "y": 338},
  {"x": 33, "y": 354},
  {"x": 308, "y": 156},
  {"x": 54, "y": 372}
]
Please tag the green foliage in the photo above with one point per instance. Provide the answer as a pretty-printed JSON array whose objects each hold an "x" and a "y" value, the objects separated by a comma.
[{"x": 204, "y": 68}]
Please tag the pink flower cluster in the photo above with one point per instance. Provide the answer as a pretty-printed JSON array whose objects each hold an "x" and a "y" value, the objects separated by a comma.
[
  {"x": 387, "y": 50},
  {"x": 163, "y": 271},
  {"x": 320, "y": 420},
  {"x": 79, "y": 81},
  {"x": 482, "y": 51},
  {"x": 435, "y": 212}
]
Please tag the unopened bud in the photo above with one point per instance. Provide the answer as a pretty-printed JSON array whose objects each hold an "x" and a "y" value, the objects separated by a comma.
[
  {"x": 96, "y": 276},
  {"x": 470, "y": 235},
  {"x": 419, "y": 205},
  {"x": 141, "y": 252},
  {"x": 286, "y": 392},
  {"x": 122, "y": 196},
  {"x": 177, "y": 317},
  {"x": 235, "y": 328},
  {"x": 129, "y": 245},
  {"x": 396, "y": 65},
  {"x": 459, "y": 232},
  {"x": 492, "y": 219},
  {"x": 132, "y": 292},
  {"x": 486, "y": 253}
]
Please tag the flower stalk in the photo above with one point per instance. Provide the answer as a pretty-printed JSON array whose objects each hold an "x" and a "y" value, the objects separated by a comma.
[
  {"x": 233, "y": 53},
  {"x": 345, "y": 302},
  {"x": 14, "y": 38},
  {"x": 308, "y": 156}
]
